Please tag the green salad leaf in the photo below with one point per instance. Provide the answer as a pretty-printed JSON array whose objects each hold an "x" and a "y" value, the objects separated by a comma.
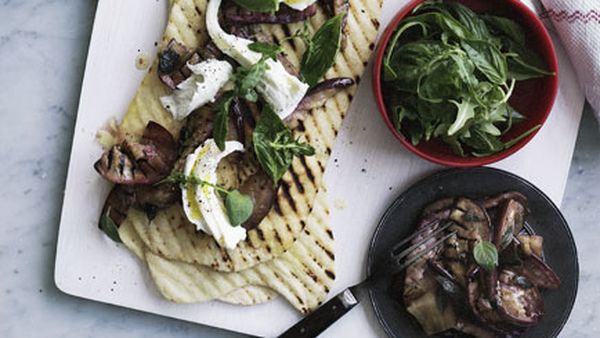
[
  {"x": 449, "y": 73},
  {"x": 259, "y": 5},
  {"x": 488, "y": 59},
  {"x": 322, "y": 50},
  {"x": 275, "y": 146}
]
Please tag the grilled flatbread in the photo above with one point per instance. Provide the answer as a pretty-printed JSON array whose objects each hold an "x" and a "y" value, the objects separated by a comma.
[
  {"x": 249, "y": 295},
  {"x": 299, "y": 187},
  {"x": 303, "y": 275},
  {"x": 246, "y": 295}
]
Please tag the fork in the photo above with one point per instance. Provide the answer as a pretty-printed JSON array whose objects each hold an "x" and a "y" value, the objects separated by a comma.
[{"x": 400, "y": 257}]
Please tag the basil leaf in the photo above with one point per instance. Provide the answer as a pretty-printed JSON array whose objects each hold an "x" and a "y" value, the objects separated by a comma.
[
  {"x": 389, "y": 72},
  {"x": 470, "y": 20},
  {"x": 512, "y": 38},
  {"x": 322, "y": 50},
  {"x": 507, "y": 27},
  {"x": 268, "y": 50},
  {"x": 221, "y": 128},
  {"x": 520, "y": 70},
  {"x": 247, "y": 80},
  {"x": 274, "y": 145},
  {"x": 259, "y": 5},
  {"x": 239, "y": 207},
  {"x": 522, "y": 136},
  {"x": 488, "y": 59},
  {"x": 109, "y": 227},
  {"x": 484, "y": 144},
  {"x": 463, "y": 15},
  {"x": 452, "y": 77},
  {"x": 486, "y": 255}
]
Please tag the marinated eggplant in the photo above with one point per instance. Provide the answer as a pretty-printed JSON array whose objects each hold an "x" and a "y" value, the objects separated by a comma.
[
  {"x": 501, "y": 299},
  {"x": 172, "y": 64},
  {"x": 235, "y": 15},
  {"x": 145, "y": 162}
]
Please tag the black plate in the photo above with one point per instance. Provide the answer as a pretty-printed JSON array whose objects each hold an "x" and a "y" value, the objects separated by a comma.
[{"x": 545, "y": 219}]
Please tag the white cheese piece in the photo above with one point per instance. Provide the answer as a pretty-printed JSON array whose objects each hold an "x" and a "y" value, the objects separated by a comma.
[
  {"x": 201, "y": 203},
  {"x": 281, "y": 90},
  {"x": 207, "y": 78},
  {"x": 298, "y": 5}
]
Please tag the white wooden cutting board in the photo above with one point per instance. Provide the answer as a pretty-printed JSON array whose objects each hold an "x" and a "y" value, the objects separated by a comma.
[{"x": 368, "y": 169}]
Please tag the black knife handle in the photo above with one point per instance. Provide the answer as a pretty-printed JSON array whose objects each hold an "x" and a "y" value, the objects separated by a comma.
[{"x": 323, "y": 317}]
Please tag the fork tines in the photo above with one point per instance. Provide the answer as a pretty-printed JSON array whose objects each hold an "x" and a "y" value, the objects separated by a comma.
[{"x": 404, "y": 257}]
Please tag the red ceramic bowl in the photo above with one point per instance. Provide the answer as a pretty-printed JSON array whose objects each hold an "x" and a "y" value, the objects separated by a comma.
[{"x": 532, "y": 98}]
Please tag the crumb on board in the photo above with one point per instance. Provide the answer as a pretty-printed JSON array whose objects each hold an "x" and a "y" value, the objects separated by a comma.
[
  {"x": 142, "y": 61},
  {"x": 339, "y": 204}
]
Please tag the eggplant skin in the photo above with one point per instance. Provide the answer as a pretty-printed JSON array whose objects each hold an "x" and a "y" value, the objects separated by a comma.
[
  {"x": 235, "y": 15},
  {"x": 145, "y": 162},
  {"x": 261, "y": 190},
  {"x": 119, "y": 201},
  {"x": 518, "y": 301},
  {"x": 472, "y": 220},
  {"x": 510, "y": 222},
  {"x": 495, "y": 201},
  {"x": 172, "y": 63},
  {"x": 198, "y": 128},
  {"x": 320, "y": 93},
  {"x": 538, "y": 273}
]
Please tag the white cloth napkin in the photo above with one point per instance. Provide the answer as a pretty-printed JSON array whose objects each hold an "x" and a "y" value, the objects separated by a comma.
[{"x": 577, "y": 22}]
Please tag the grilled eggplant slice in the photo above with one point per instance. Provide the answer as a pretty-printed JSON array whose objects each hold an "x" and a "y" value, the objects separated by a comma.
[
  {"x": 261, "y": 190},
  {"x": 144, "y": 162},
  {"x": 518, "y": 301},
  {"x": 493, "y": 202},
  {"x": 510, "y": 222},
  {"x": 473, "y": 221},
  {"x": 235, "y": 15},
  {"x": 539, "y": 273},
  {"x": 172, "y": 63},
  {"x": 118, "y": 201}
]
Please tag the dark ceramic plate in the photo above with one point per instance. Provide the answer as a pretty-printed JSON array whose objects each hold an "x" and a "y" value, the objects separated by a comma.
[{"x": 545, "y": 219}]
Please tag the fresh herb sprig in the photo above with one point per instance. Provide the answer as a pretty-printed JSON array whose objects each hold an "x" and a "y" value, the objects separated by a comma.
[
  {"x": 322, "y": 50},
  {"x": 108, "y": 226},
  {"x": 486, "y": 255},
  {"x": 239, "y": 206},
  {"x": 450, "y": 73},
  {"x": 246, "y": 81},
  {"x": 275, "y": 146},
  {"x": 259, "y": 5}
]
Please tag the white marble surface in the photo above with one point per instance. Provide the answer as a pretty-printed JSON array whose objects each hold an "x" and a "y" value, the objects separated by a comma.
[{"x": 43, "y": 45}]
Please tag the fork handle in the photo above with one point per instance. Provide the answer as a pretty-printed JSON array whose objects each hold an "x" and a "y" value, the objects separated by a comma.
[{"x": 323, "y": 317}]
